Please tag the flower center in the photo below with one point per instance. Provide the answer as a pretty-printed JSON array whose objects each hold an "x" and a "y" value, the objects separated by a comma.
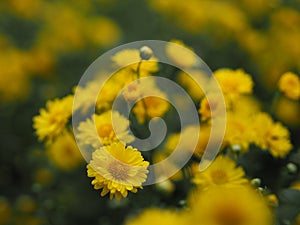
[
  {"x": 118, "y": 170},
  {"x": 105, "y": 130},
  {"x": 219, "y": 177},
  {"x": 229, "y": 216}
]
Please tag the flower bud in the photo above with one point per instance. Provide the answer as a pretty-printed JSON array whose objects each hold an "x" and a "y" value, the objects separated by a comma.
[{"x": 146, "y": 53}]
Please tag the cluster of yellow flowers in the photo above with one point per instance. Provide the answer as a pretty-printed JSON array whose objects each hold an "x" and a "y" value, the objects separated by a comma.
[
  {"x": 75, "y": 27},
  {"x": 258, "y": 27},
  {"x": 223, "y": 194}
]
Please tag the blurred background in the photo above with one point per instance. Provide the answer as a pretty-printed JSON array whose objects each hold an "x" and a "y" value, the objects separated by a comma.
[{"x": 45, "y": 47}]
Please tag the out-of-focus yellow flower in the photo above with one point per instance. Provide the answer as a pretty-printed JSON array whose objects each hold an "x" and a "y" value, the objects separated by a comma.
[
  {"x": 53, "y": 119},
  {"x": 222, "y": 172},
  {"x": 43, "y": 176},
  {"x": 129, "y": 59},
  {"x": 288, "y": 111},
  {"x": 194, "y": 90},
  {"x": 296, "y": 185},
  {"x": 212, "y": 105},
  {"x": 258, "y": 7},
  {"x": 14, "y": 78},
  {"x": 26, "y": 204},
  {"x": 117, "y": 169},
  {"x": 64, "y": 152},
  {"x": 188, "y": 133},
  {"x": 181, "y": 55},
  {"x": 238, "y": 130},
  {"x": 223, "y": 206},
  {"x": 158, "y": 216},
  {"x": 102, "y": 31},
  {"x": 271, "y": 136},
  {"x": 151, "y": 106},
  {"x": 5, "y": 211},
  {"x": 109, "y": 127},
  {"x": 289, "y": 84},
  {"x": 297, "y": 221},
  {"x": 28, "y": 9},
  {"x": 234, "y": 82}
]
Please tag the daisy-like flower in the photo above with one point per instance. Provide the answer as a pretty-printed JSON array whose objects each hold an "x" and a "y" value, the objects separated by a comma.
[
  {"x": 158, "y": 216},
  {"x": 238, "y": 130},
  {"x": 289, "y": 85},
  {"x": 222, "y": 172},
  {"x": 234, "y": 82},
  {"x": 229, "y": 206},
  {"x": 182, "y": 55},
  {"x": 52, "y": 121},
  {"x": 101, "y": 127},
  {"x": 64, "y": 152},
  {"x": 270, "y": 135},
  {"x": 117, "y": 169}
]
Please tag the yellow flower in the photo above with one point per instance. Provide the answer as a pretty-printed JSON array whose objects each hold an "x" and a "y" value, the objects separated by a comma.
[
  {"x": 272, "y": 136},
  {"x": 129, "y": 59},
  {"x": 191, "y": 85},
  {"x": 5, "y": 211},
  {"x": 212, "y": 105},
  {"x": 296, "y": 185},
  {"x": 151, "y": 106},
  {"x": 289, "y": 85},
  {"x": 238, "y": 130},
  {"x": 190, "y": 132},
  {"x": 288, "y": 111},
  {"x": 101, "y": 126},
  {"x": 158, "y": 216},
  {"x": 234, "y": 82},
  {"x": 297, "y": 221},
  {"x": 227, "y": 206},
  {"x": 222, "y": 172},
  {"x": 64, "y": 152},
  {"x": 52, "y": 121},
  {"x": 117, "y": 169},
  {"x": 181, "y": 55},
  {"x": 43, "y": 176}
]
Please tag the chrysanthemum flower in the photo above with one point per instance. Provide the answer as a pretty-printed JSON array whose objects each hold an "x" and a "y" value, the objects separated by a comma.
[
  {"x": 229, "y": 206},
  {"x": 234, "y": 82},
  {"x": 270, "y": 135},
  {"x": 238, "y": 130},
  {"x": 52, "y": 121},
  {"x": 158, "y": 216},
  {"x": 289, "y": 84},
  {"x": 222, "y": 172},
  {"x": 64, "y": 152},
  {"x": 117, "y": 169},
  {"x": 101, "y": 127},
  {"x": 182, "y": 55},
  {"x": 212, "y": 105}
]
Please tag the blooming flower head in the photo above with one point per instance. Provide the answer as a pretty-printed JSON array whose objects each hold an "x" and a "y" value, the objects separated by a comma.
[
  {"x": 271, "y": 135},
  {"x": 229, "y": 206},
  {"x": 238, "y": 130},
  {"x": 181, "y": 55},
  {"x": 151, "y": 106},
  {"x": 212, "y": 106},
  {"x": 109, "y": 126},
  {"x": 222, "y": 172},
  {"x": 234, "y": 82},
  {"x": 194, "y": 90},
  {"x": 289, "y": 85},
  {"x": 64, "y": 152},
  {"x": 52, "y": 121},
  {"x": 117, "y": 169},
  {"x": 158, "y": 216}
]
